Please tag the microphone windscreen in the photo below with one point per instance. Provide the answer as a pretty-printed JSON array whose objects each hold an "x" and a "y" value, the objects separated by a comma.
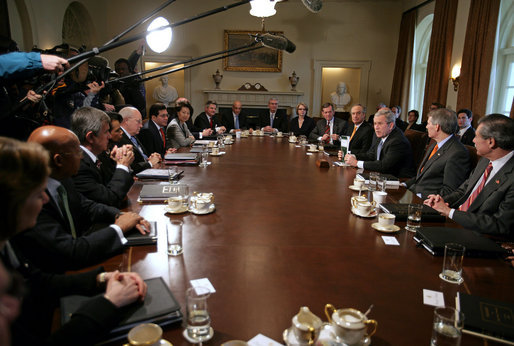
[{"x": 313, "y": 5}]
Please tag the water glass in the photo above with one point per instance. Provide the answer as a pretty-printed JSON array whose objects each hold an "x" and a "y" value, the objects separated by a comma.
[
  {"x": 414, "y": 217},
  {"x": 381, "y": 183},
  {"x": 174, "y": 235},
  {"x": 198, "y": 319},
  {"x": 205, "y": 155},
  {"x": 373, "y": 180},
  {"x": 452, "y": 263},
  {"x": 172, "y": 175},
  {"x": 447, "y": 328}
]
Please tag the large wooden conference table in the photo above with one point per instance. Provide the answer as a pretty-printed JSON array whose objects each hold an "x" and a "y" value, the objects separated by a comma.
[{"x": 283, "y": 236}]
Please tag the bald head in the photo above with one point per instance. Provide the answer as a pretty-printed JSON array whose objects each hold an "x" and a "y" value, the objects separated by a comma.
[
  {"x": 236, "y": 107},
  {"x": 63, "y": 146},
  {"x": 132, "y": 120}
]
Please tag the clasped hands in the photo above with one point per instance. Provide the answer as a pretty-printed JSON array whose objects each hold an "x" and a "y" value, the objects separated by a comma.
[
  {"x": 123, "y": 288},
  {"x": 437, "y": 202}
]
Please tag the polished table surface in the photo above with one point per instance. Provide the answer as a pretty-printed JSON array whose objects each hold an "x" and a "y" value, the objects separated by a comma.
[{"x": 283, "y": 236}]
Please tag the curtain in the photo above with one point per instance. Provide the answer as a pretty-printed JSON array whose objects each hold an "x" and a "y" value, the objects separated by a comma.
[
  {"x": 403, "y": 67},
  {"x": 476, "y": 66},
  {"x": 440, "y": 53}
]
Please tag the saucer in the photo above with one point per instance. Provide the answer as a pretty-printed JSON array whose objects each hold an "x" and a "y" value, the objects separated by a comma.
[
  {"x": 211, "y": 334},
  {"x": 218, "y": 154},
  {"x": 328, "y": 338},
  {"x": 164, "y": 342},
  {"x": 211, "y": 209},
  {"x": 176, "y": 211},
  {"x": 355, "y": 188},
  {"x": 312, "y": 151},
  {"x": 391, "y": 229},
  {"x": 228, "y": 143},
  {"x": 370, "y": 215}
]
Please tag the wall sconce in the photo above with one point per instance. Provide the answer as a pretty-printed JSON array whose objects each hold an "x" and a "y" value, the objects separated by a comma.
[
  {"x": 455, "y": 77},
  {"x": 263, "y": 8}
]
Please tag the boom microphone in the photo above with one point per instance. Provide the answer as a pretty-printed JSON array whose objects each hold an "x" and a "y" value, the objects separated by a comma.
[
  {"x": 313, "y": 5},
  {"x": 276, "y": 42}
]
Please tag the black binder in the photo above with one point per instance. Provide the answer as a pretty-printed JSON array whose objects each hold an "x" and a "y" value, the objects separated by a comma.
[
  {"x": 433, "y": 240},
  {"x": 159, "y": 306},
  {"x": 134, "y": 237},
  {"x": 401, "y": 211}
]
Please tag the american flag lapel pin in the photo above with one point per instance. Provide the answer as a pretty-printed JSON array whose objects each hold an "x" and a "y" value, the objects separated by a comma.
[{"x": 497, "y": 181}]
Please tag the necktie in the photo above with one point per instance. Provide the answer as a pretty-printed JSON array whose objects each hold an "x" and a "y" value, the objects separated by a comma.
[
  {"x": 474, "y": 195},
  {"x": 353, "y": 132},
  {"x": 210, "y": 122},
  {"x": 65, "y": 207},
  {"x": 98, "y": 163},
  {"x": 163, "y": 136},
  {"x": 379, "y": 149},
  {"x": 271, "y": 118},
  {"x": 136, "y": 144},
  {"x": 431, "y": 154},
  {"x": 237, "y": 122}
]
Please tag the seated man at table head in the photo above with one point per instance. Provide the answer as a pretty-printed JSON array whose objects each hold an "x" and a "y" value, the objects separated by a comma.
[
  {"x": 274, "y": 119},
  {"x": 153, "y": 133},
  {"x": 446, "y": 163},
  {"x": 91, "y": 126},
  {"x": 60, "y": 240},
  {"x": 23, "y": 176},
  {"x": 390, "y": 152},
  {"x": 330, "y": 128},
  {"x": 131, "y": 125},
  {"x": 485, "y": 201},
  {"x": 466, "y": 132},
  {"x": 359, "y": 131},
  {"x": 235, "y": 119},
  {"x": 209, "y": 119},
  {"x": 178, "y": 133},
  {"x": 302, "y": 124}
]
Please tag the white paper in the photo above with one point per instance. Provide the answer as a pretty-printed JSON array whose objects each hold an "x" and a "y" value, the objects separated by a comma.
[
  {"x": 262, "y": 340},
  {"x": 338, "y": 163},
  {"x": 388, "y": 240},
  {"x": 309, "y": 153},
  {"x": 203, "y": 283},
  {"x": 433, "y": 298}
]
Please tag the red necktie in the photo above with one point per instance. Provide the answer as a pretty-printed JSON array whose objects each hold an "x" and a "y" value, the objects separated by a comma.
[
  {"x": 210, "y": 122},
  {"x": 474, "y": 195},
  {"x": 163, "y": 137},
  {"x": 431, "y": 154}
]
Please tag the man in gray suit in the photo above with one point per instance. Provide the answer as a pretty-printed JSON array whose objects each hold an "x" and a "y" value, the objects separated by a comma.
[
  {"x": 331, "y": 128},
  {"x": 485, "y": 201},
  {"x": 446, "y": 163}
]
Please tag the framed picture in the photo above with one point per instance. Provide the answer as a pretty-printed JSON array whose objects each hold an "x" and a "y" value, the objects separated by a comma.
[{"x": 259, "y": 60}]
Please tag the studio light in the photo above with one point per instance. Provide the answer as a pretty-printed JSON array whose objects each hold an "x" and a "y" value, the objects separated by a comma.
[
  {"x": 159, "y": 40},
  {"x": 263, "y": 8}
]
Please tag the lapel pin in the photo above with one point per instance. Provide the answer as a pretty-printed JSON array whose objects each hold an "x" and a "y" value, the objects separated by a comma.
[{"x": 497, "y": 181}]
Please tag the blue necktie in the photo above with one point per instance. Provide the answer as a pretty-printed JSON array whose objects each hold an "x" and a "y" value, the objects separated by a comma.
[
  {"x": 237, "y": 122},
  {"x": 379, "y": 149},
  {"x": 271, "y": 119},
  {"x": 136, "y": 144}
]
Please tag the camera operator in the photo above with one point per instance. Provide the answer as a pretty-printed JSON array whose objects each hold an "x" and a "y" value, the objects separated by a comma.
[{"x": 132, "y": 90}]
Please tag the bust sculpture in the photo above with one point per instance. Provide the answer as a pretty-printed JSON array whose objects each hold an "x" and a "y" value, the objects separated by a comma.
[
  {"x": 165, "y": 93},
  {"x": 340, "y": 97}
]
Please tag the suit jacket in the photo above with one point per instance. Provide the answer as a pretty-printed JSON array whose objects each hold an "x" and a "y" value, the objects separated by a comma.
[
  {"x": 417, "y": 127},
  {"x": 306, "y": 129},
  {"x": 150, "y": 138},
  {"x": 395, "y": 157},
  {"x": 361, "y": 141},
  {"x": 51, "y": 245},
  {"x": 279, "y": 121},
  {"x": 402, "y": 125},
  {"x": 339, "y": 128},
  {"x": 492, "y": 212},
  {"x": 89, "y": 181},
  {"x": 227, "y": 119},
  {"x": 467, "y": 137},
  {"x": 444, "y": 172},
  {"x": 139, "y": 164},
  {"x": 202, "y": 122},
  {"x": 177, "y": 136}
]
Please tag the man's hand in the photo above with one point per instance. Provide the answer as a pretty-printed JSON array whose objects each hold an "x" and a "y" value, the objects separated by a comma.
[
  {"x": 124, "y": 288},
  {"x": 339, "y": 155},
  {"x": 335, "y": 137},
  {"x": 54, "y": 63},
  {"x": 206, "y": 132},
  {"x": 350, "y": 160},
  {"x": 155, "y": 158},
  {"x": 124, "y": 157},
  {"x": 171, "y": 150},
  {"x": 325, "y": 137},
  {"x": 267, "y": 129},
  {"x": 109, "y": 107},
  {"x": 33, "y": 97},
  {"x": 95, "y": 88},
  {"x": 437, "y": 202},
  {"x": 222, "y": 129},
  {"x": 129, "y": 220}
]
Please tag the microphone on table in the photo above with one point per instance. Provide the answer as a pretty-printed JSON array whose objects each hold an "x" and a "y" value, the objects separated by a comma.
[{"x": 275, "y": 42}]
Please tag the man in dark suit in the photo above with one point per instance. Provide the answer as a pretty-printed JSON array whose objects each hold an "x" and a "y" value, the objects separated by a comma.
[
  {"x": 446, "y": 163},
  {"x": 359, "y": 131},
  {"x": 274, "y": 119},
  {"x": 60, "y": 241},
  {"x": 131, "y": 124},
  {"x": 390, "y": 152},
  {"x": 485, "y": 201},
  {"x": 235, "y": 119},
  {"x": 91, "y": 126},
  {"x": 466, "y": 131},
  {"x": 209, "y": 119},
  {"x": 330, "y": 129},
  {"x": 400, "y": 124},
  {"x": 153, "y": 133}
]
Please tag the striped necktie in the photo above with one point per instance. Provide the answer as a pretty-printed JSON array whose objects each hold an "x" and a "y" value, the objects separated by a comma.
[
  {"x": 136, "y": 144},
  {"x": 465, "y": 206}
]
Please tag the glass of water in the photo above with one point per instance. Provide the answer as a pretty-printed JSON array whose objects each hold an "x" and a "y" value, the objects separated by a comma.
[
  {"x": 447, "y": 328},
  {"x": 198, "y": 319},
  {"x": 414, "y": 217},
  {"x": 373, "y": 176},
  {"x": 205, "y": 155},
  {"x": 174, "y": 235},
  {"x": 452, "y": 263}
]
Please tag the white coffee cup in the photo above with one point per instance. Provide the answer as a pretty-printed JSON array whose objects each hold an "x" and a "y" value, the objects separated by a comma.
[
  {"x": 175, "y": 203},
  {"x": 379, "y": 196},
  {"x": 357, "y": 200},
  {"x": 238, "y": 134},
  {"x": 364, "y": 208},
  {"x": 292, "y": 139},
  {"x": 350, "y": 325},
  {"x": 279, "y": 134},
  {"x": 386, "y": 220},
  {"x": 215, "y": 151},
  {"x": 358, "y": 182},
  {"x": 312, "y": 147},
  {"x": 211, "y": 144}
]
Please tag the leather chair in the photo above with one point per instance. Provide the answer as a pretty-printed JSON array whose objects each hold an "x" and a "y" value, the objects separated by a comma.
[
  {"x": 419, "y": 142},
  {"x": 473, "y": 156}
]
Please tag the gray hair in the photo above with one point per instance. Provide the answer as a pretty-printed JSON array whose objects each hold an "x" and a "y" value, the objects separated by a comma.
[
  {"x": 88, "y": 119},
  {"x": 389, "y": 115},
  {"x": 359, "y": 105},
  {"x": 127, "y": 112},
  {"x": 446, "y": 118},
  {"x": 499, "y": 127},
  {"x": 328, "y": 104}
]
